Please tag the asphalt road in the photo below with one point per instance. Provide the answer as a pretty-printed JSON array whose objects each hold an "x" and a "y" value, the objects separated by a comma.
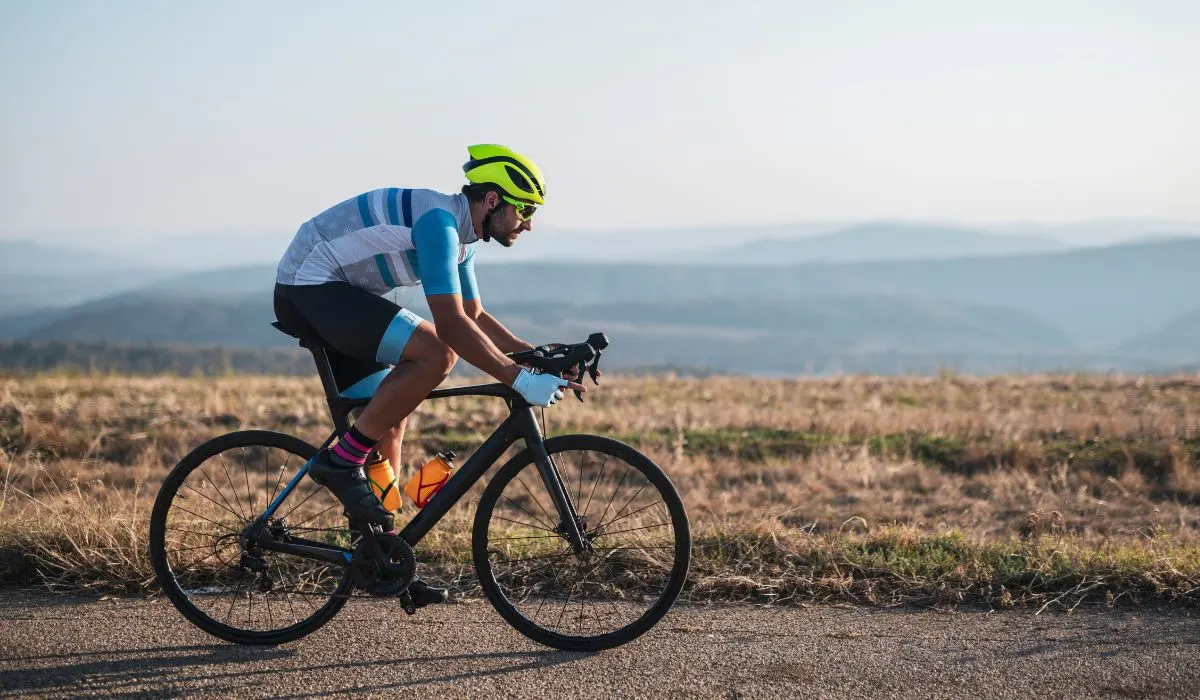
[{"x": 51, "y": 646}]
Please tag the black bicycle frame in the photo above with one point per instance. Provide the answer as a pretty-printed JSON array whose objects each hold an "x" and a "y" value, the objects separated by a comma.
[{"x": 520, "y": 424}]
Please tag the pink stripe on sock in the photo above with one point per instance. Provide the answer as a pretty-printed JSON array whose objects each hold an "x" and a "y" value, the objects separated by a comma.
[
  {"x": 341, "y": 452},
  {"x": 355, "y": 443}
]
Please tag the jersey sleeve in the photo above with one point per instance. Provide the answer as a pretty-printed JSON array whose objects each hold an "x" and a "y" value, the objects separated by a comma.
[
  {"x": 435, "y": 237},
  {"x": 466, "y": 275}
]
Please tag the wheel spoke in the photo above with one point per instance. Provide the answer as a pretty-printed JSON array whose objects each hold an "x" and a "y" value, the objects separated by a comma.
[
  {"x": 314, "y": 517},
  {"x": 535, "y": 527},
  {"x": 279, "y": 478},
  {"x": 639, "y": 510},
  {"x": 233, "y": 488},
  {"x": 223, "y": 527},
  {"x": 633, "y": 529},
  {"x": 595, "y": 484},
  {"x": 201, "y": 495},
  {"x": 246, "y": 476},
  {"x": 535, "y": 500}
]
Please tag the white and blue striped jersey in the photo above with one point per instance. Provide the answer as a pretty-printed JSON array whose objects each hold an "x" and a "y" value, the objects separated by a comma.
[{"x": 384, "y": 239}]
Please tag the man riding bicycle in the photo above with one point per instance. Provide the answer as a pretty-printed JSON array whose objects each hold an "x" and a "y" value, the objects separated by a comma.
[{"x": 329, "y": 285}]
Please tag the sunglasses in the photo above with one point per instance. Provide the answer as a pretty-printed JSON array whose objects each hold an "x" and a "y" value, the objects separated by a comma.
[{"x": 525, "y": 211}]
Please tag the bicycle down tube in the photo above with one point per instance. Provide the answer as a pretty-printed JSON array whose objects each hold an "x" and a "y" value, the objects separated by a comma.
[{"x": 520, "y": 424}]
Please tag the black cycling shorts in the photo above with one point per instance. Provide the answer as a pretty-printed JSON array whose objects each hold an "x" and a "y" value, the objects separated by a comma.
[{"x": 364, "y": 333}]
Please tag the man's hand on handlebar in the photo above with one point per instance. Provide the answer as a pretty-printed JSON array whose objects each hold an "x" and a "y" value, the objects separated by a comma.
[
  {"x": 576, "y": 374},
  {"x": 568, "y": 364},
  {"x": 543, "y": 389}
]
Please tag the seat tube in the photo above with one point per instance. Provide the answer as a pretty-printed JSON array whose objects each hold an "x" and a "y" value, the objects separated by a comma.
[{"x": 535, "y": 443}]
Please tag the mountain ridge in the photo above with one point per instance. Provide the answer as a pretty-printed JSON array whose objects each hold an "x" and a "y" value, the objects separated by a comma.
[{"x": 882, "y": 241}]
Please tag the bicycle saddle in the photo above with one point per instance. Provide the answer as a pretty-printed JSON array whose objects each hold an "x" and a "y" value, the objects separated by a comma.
[{"x": 307, "y": 339}]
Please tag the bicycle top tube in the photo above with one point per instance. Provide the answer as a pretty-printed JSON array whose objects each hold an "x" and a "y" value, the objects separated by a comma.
[{"x": 494, "y": 389}]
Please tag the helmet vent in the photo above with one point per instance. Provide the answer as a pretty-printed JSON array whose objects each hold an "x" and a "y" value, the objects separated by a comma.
[{"x": 518, "y": 178}]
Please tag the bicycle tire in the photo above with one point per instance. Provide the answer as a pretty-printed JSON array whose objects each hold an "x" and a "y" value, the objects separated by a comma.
[
  {"x": 167, "y": 579},
  {"x": 681, "y": 532}
]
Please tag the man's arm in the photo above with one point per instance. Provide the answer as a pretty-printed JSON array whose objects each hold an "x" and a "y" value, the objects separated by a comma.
[
  {"x": 495, "y": 331},
  {"x": 465, "y": 337},
  {"x": 435, "y": 238},
  {"x": 473, "y": 305}
]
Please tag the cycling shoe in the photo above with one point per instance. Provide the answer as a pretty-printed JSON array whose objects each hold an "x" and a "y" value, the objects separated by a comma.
[
  {"x": 423, "y": 594},
  {"x": 350, "y": 486}
]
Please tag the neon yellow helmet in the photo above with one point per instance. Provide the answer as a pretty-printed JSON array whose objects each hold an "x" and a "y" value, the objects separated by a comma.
[{"x": 510, "y": 171}]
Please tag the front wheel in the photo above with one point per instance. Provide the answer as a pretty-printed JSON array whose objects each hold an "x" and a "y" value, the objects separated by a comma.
[{"x": 636, "y": 557}]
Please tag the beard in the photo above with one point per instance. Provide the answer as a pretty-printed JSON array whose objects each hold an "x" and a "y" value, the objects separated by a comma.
[
  {"x": 503, "y": 236},
  {"x": 507, "y": 240}
]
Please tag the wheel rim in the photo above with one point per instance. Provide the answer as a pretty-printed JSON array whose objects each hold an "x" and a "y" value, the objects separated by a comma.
[
  {"x": 227, "y": 581},
  {"x": 636, "y": 531}
]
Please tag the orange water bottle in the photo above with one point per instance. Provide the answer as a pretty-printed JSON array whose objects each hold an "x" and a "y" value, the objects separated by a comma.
[
  {"x": 430, "y": 478},
  {"x": 384, "y": 484}
]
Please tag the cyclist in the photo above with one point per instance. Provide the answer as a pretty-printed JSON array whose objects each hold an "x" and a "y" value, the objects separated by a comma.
[{"x": 329, "y": 284}]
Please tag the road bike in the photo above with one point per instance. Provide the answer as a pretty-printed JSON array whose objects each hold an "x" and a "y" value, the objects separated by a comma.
[{"x": 580, "y": 542}]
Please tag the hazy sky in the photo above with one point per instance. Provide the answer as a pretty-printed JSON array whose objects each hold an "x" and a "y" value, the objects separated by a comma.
[{"x": 134, "y": 119}]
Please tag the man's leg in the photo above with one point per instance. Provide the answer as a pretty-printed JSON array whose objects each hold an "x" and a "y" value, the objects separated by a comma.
[
  {"x": 424, "y": 364},
  {"x": 389, "y": 445},
  {"x": 422, "y": 361}
]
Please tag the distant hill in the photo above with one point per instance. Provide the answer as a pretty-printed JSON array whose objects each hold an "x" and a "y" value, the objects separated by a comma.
[
  {"x": 1099, "y": 297},
  {"x": 1103, "y": 231},
  {"x": 1177, "y": 341},
  {"x": 30, "y": 258},
  {"x": 829, "y": 325},
  {"x": 142, "y": 318},
  {"x": 731, "y": 335},
  {"x": 197, "y": 251},
  {"x": 141, "y": 358},
  {"x": 24, "y": 293},
  {"x": 880, "y": 241},
  {"x": 665, "y": 245},
  {"x": 684, "y": 244},
  {"x": 1079, "y": 307},
  {"x": 221, "y": 282},
  {"x": 36, "y": 276}
]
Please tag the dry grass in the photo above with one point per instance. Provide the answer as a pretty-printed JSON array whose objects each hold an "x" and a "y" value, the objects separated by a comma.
[{"x": 1010, "y": 490}]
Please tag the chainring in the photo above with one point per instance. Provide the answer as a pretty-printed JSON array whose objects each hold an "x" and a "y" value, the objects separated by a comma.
[{"x": 369, "y": 576}]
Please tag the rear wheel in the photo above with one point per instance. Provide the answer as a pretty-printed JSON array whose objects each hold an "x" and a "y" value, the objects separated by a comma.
[
  {"x": 634, "y": 523},
  {"x": 224, "y": 584}
]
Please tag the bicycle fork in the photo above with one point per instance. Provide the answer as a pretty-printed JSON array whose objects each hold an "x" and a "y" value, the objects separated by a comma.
[{"x": 553, "y": 481}]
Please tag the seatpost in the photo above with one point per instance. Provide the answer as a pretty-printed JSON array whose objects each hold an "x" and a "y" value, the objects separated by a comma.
[{"x": 325, "y": 372}]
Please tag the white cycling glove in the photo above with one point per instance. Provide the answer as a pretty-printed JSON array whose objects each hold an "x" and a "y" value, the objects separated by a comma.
[{"x": 539, "y": 389}]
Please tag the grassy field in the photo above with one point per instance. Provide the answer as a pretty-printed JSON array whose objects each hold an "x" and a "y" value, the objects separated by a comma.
[{"x": 1030, "y": 491}]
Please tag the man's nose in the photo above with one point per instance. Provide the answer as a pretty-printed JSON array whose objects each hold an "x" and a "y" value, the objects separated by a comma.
[{"x": 527, "y": 225}]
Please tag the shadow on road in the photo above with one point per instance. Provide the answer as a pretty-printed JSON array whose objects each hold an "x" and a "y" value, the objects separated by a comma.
[
  {"x": 220, "y": 668},
  {"x": 537, "y": 659},
  {"x": 112, "y": 670}
]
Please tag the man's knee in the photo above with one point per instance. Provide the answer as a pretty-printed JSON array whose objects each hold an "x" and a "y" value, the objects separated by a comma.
[
  {"x": 435, "y": 357},
  {"x": 443, "y": 359}
]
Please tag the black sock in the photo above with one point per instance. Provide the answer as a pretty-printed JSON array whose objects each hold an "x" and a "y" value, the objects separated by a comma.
[{"x": 352, "y": 448}]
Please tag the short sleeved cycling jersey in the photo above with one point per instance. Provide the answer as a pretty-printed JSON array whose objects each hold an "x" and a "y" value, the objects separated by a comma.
[{"x": 387, "y": 238}]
